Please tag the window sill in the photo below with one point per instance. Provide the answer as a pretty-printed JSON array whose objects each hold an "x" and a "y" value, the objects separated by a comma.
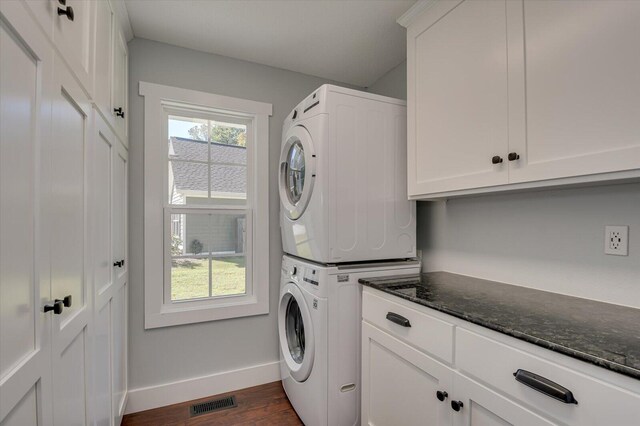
[{"x": 186, "y": 313}]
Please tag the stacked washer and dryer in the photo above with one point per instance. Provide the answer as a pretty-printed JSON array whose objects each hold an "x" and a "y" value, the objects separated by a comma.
[{"x": 344, "y": 215}]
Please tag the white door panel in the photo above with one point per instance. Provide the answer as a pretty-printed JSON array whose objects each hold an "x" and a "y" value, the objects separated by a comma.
[
  {"x": 44, "y": 12},
  {"x": 101, "y": 365},
  {"x": 120, "y": 84},
  {"x": 457, "y": 97},
  {"x": 575, "y": 89},
  {"x": 74, "y": 39},
  {"x": 67, "y": 154},
  {"x": 26, "y": 61}
]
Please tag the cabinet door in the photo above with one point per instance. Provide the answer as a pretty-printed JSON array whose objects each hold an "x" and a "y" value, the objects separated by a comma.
[
  {"x": 103, "y": 58},
  {"x": 26, "y": 61},
  {"x": 119, "y": 303},
  {"x": 66, "y": 152},
  {"x": 44, "y": 12},
  {"x": 457, "y": 97},
  {"x": 399, "y": 383},
  {"x": 109, "y": 205},
  {"x": 582, "y": 88},
  {"x": 119, "y": 84},
  {"x": 482, "y": 406},
  {"x": 74, "y": 38}
]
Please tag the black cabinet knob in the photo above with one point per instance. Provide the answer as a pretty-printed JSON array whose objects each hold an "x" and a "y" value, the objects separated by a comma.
[
  {"x": 513, "y": 156},
  {"x": 66, "y": 301},
  {"x": 441, "y": 395},
  {"x": 67, "y": 11},
  {"x": 56, "y": 307},
  {"x": 118, "y": 112},
  {"x": 496, "y": 159},
  {"x": 119, "y": 263},
  {"x": 456, "y": 405}
]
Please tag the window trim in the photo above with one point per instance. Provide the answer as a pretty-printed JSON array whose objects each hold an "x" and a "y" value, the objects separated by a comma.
[{"x": 157, "y": 98}]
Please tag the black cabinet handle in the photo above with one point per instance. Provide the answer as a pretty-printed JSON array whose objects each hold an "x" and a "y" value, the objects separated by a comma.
[
  {"x": 441, "y": 395},
  {"x": 513, "y": 156},
  {"x": 119, "y": 112},
  {"x": 398, "y": 319},
  {"x": 67, "y": 11},
  {"x": 496, "y": 159},
  {"x": 456, "y": 405},
  {"x": 66, "y": 301},
  {"x": 56, "y": 307},
  {"x": 119, "y": 263},
  {"x": 546, "y": 386}
]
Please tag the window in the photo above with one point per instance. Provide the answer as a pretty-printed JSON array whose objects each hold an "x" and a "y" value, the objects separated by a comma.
[{"x": 206, "y": 188}]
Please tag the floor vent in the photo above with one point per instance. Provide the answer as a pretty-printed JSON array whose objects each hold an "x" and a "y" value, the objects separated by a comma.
[{"x": 214, "y": 405}]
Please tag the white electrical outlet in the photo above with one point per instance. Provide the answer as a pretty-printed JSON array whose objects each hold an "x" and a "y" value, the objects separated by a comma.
[{"x": 616, "y": 240}]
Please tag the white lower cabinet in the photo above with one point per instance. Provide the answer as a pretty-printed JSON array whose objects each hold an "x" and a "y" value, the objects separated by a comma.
[
  {"x": 400, "y": 383},
  {"x": 404, "y": 384},
  {"x": 479, "y": 405}
]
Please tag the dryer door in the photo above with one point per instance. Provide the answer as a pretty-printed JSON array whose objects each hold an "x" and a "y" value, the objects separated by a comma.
[
  {"x": 297, "y": 172},
  {"x": 296, "y": 332}
]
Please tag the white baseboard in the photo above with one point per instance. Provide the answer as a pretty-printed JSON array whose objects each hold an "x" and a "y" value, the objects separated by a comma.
[{"x": 199, "y": 387}]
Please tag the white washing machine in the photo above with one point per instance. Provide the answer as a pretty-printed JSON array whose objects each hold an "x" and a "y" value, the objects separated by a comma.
[
  {"x": 319, "y": 317},
  {"x": 343, "y": 178}
]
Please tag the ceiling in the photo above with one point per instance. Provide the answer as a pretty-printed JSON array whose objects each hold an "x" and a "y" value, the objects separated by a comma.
[{"x": 350, "y": 41}]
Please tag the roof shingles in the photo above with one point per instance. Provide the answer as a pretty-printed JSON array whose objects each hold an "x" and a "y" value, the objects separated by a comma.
[{"x": 228, "y": 166}]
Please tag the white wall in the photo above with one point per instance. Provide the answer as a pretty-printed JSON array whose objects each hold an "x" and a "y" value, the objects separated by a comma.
[
  {"x": 551, "y": 240},
  {"x": 171, "y": 354}
]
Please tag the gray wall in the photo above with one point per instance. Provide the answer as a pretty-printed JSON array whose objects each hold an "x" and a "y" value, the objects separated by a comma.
[
  {"x": 551, "y": 239},
  {"x": 176, "y": 353}
]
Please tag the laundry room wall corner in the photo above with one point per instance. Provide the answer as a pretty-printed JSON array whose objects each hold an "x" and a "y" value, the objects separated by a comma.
[{"x": 169, "y": 355}]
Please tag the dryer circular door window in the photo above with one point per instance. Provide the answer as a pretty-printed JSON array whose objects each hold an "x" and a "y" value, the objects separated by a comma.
[
  {"x": 296, "y": 333},
  {"x": 297, "y": 172}
]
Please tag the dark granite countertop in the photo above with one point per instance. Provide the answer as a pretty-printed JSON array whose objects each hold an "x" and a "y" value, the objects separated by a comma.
[{"x": 600, "y": 333}]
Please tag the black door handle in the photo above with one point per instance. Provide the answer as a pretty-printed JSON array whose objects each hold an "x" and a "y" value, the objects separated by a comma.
[
  {"x": 545, "y": 386},
  {"x": 56, "y": 307},
  {"x": 456, "y": 405},
  {"x": 398, "y": 319},
  {"x": 66, "y": 301},
  {"x": 496, "y": 159},
  {"x": 513, "y": 156},
  {"x": 119, "y": 112},
  {"x": 441, "y": 395},
  {"x": 67, "y": 11}
]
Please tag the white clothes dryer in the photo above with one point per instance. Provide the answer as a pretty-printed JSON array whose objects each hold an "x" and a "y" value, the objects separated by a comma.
[
  {"x": 319, "y": 319},
  {"x": 343, "y": 178}
]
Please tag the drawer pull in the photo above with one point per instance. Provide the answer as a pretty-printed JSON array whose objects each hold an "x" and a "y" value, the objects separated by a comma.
[
  {"x": 398, "y": 319},
  {"x": 456, "y": 405},
  {"x": 441, "y": 395},
  {"x": 546, "y": 386}
]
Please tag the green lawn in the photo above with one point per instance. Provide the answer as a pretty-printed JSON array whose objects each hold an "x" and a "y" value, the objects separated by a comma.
[{"x": 190, "y": 277}]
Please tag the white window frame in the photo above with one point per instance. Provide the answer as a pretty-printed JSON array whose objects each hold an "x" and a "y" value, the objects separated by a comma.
[{"x": 159, "y": 311}]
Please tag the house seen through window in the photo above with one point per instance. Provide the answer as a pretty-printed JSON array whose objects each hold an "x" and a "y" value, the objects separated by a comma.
[{"x": 207, "y": 195}]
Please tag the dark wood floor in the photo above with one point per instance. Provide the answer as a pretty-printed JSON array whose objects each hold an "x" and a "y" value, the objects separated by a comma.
[{"x": 259, "y": 405}]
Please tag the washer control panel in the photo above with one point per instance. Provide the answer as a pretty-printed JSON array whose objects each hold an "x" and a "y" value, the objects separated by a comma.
[{"x": 310, "y": 276}]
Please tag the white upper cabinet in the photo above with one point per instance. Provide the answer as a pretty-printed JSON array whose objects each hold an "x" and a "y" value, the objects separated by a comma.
[
  {"x": 119, "y": 85},
  {"x": 110, "y": 59},
  {"x": 70, "y": 24},
  {"x": 550, "y": 88},
  {"x": 457, "y": 80},
  {"x": 582, "y": 91},
  {"x": 103, "y": 57}
]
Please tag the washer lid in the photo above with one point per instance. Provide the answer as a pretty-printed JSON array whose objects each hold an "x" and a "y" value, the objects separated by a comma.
[
  {"x": 296, "y": 332},
  {"x": 297, "y": 172}
]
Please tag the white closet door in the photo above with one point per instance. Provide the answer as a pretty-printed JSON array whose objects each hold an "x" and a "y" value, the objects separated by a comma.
[
  {"x": 67, "y": 153},
  {"x": 119, "y": 303},
  {"x": 26, "y": 61}
]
